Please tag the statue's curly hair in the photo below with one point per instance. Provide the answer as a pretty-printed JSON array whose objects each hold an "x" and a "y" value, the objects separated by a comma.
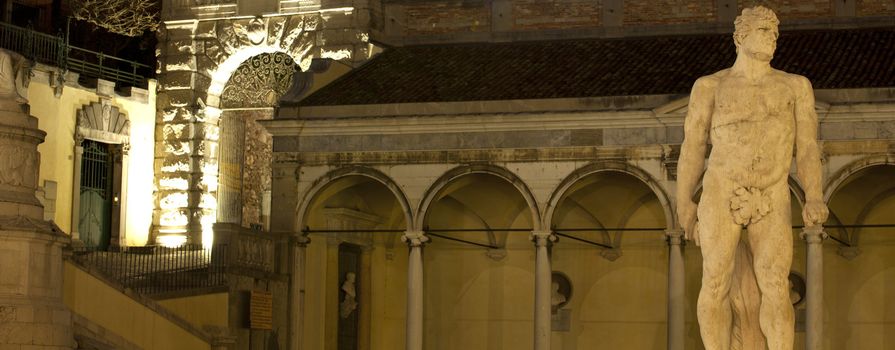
[{"x": 752, "y": 16}]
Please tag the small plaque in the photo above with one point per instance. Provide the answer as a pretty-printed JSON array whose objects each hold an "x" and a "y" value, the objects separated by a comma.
[{"x": 261, "y": 310}]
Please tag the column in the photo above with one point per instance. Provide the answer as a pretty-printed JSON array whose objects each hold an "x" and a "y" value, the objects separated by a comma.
[
  {"x": 76, "y": 190},
  {"x": 543, "y": 282},
  {"x": 415, "y": 240},
  {"x": 676, "y": 297},
  {"x": 814, "y": 291},
  {"x": 297, "y": 291}
]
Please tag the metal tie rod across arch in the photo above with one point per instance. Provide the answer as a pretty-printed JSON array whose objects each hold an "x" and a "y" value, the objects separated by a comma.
[{"x": 562, "y": 232}]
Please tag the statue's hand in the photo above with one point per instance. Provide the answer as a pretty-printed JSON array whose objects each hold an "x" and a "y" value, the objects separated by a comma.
[
  {"x": 815, "y": 213},
  {"x": 686, "y": 216}
]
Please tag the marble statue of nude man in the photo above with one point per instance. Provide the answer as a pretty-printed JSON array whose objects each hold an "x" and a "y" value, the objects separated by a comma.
[{"x": 756, "y": 117}]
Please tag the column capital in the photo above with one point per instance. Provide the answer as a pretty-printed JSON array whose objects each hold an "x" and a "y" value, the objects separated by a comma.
[
  {"x": 415, "y": 238},
  {"x": 813, "y": 234},
  {"x": 542, "y": 238},
  {"x": 675, "y": 236}
]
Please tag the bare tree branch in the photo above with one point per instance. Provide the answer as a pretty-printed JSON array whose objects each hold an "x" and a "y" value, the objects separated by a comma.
[{"x": 125, "y": 17}]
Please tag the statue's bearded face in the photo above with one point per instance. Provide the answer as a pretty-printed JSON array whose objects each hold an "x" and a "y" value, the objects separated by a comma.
[
  {"x": 760, "y": 41},
  {"x": 756, "y": 33}
]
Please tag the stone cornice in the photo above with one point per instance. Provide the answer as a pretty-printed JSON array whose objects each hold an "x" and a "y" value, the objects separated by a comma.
[
  {"x": 558, "y": 120},
  {"x": 464, "y": 123}
]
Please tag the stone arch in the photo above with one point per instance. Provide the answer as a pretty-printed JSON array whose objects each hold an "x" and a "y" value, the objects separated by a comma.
[
  {"x": 457, "y": 172},
  {"x": 613, "y": 166},
  {"x": 841, "y": 179},
  {"x": 846, "y": 171},
  {"x": 197, "y": 59},
  {"x": 229, "y": 43},
  {"x": 323, "y": 181}
]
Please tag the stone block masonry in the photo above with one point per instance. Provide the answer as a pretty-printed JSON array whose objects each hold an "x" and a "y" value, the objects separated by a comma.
[
  {"x": 787, "y": 9},
  {"x": 424, "y": 21},
  {"x": 868, "y": 8},
  {"x": 537, "y": 15},
  {"x": 669, "y": 12},
  {"x": 437, "y": 17}
]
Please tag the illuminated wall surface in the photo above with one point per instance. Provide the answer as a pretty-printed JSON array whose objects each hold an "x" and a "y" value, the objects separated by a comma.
[
  {"x": 475, "y": 296},
  {"x": 57, "y": 116}
]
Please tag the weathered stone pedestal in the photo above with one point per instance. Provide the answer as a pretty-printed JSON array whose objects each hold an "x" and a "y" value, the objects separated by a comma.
[{"x": 32, "y": 315}]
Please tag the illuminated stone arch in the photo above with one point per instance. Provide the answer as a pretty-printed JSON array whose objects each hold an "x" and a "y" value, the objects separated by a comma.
[
  {"x": 435, "y": 189},
  {"x": 302, "y": 211},
  {"x": 197, "y": 59},
  {"x": 229, "y": 43}
]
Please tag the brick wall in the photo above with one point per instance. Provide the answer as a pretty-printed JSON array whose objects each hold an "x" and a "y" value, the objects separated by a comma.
[
  {"x": 437, "y": 17},
  {"x": 867, "y": 8},
  {"x": 793, "y": 9},
  {"x": 557, "y": 14},
  {"x": 642, "y": 12},
  {"x": 444, "y": 17}
]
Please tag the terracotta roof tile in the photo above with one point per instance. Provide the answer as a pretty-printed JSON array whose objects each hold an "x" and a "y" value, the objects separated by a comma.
[{"x": 601, "y": 67}]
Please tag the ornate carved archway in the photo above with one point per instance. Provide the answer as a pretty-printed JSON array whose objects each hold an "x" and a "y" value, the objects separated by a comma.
[{"x": 196, "y": 61}]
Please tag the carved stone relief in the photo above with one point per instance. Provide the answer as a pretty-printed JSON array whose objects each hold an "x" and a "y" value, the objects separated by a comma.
[
  {"x": 256, "y": 169},
  {"x": 103, "y": 122},
  {"x": 17, "y": 163},
  {"x": 259, "y": 81},
  {"x": 255, "y": 253}
]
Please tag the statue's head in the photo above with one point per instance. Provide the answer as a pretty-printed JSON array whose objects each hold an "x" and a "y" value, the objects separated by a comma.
[{"x": 756, "y": 32}]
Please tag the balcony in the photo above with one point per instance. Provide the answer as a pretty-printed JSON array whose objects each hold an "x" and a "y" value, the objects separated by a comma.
[{"x": 54, "y": 51}]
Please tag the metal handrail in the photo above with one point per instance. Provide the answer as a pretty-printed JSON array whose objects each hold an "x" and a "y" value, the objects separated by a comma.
[
  {"x": 54, "y": 50},
  {"x": 153, "y": 270}
]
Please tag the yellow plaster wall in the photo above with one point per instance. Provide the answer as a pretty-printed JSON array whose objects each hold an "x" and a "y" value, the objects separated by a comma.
[
  {"x": 200, "y": 310},
  {"x": 96, "y": 301},
  {"x": 474, "y": 302},
  {"x": 140, "y": 173},
  {"x": 57, "y": 117}
]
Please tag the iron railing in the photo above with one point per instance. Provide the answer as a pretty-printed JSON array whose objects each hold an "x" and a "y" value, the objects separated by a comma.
[
  {"x": 54, "y": 50},
  {"x": 154, "y": 269}
]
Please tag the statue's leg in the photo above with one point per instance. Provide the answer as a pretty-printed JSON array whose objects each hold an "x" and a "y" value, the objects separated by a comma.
[
  {"x": 746, "y": 301},
  {"x": 718, "y": 235},
  {"x": 771, "y": 241}
]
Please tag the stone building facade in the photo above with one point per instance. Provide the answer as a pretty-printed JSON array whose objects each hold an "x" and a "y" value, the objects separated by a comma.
[{"x": 467, "y": 129}]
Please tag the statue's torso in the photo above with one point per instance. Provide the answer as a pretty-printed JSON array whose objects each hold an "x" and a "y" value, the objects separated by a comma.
[{"x": 752, "y": 129}]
